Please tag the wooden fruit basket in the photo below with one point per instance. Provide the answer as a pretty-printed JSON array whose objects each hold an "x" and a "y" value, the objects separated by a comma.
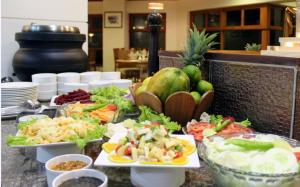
[{"x": 179, "y": 106}]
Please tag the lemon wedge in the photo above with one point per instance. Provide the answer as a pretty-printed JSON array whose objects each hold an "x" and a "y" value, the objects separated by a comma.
[
  {"x": 180, "y": 161},
  {"x": 188, "y": 147},
  {"x": 109, "y": 147},
  {"x": 119, "y": 159}
]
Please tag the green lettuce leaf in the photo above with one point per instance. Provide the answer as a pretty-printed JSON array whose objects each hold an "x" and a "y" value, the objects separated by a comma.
[
  {"x": 150, "y": 115},
  {"x": 22, "y": 125},
  {"x": 215, "y": 119},
  {"x": 18, "y": 140}
]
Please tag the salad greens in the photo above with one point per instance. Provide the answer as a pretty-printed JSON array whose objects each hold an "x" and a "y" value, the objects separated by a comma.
[
  {"x": 112, "y": 95},
  {"x": 261, "y": 153},
  {"x": 217, "y": 119},
  {"x": 22, "y": 125},
  {"x": 150, "y": 115},
  {"x": 18, "y": 140}
]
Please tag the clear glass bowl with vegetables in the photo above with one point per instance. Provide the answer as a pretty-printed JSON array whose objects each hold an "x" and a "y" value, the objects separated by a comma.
[{"x": 252, "y": 160}]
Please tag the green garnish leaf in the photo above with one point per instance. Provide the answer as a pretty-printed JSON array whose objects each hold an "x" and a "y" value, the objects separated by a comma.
[
  {"x": 147, "y": 114},
  {"x": 18, "y": 140},
  {"x": 245, "y": 123},
  {"x": 26, "y": 123},
  {"x": 215, "y": 119}
]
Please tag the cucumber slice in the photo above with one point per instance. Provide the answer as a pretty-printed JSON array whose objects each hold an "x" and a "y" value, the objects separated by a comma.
[{"x": 250, "y": 144}]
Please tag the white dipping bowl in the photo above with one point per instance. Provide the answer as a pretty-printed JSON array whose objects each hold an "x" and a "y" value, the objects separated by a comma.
[
  {"x": 69, "y": 87},
  {"x": 80, "y": 173},
  {"x": 122, "y": 83},
  {"x": 44, "y": 78},
  {"x": 46, "y": 95},
  {"x": 99, "y": 84},
  {"x": 42, "y": 87},
  {"x": 69, "y": 77},
  {"x": 111, "y": 75},
  {"x": 51, "y": 174},
  {"x": 90, "y": 76}
]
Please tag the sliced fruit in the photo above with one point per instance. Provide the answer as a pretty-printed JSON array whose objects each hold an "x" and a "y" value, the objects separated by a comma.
[
  {"x": 180, "y": 161},
  {"x": 282, "y": 144},
  {"x": 187, "y": 147},
  {"x": 109, "y": 147},
  {"x": 119, "y": 159}
]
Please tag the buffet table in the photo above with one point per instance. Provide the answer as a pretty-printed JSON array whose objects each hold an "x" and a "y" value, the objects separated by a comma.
[{"x": 19, "y": 168}]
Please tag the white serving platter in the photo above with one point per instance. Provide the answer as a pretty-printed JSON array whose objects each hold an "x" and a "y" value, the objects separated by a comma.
[
  {"x": 50, "y": 144},
  {"x": 102, "y": 159}
]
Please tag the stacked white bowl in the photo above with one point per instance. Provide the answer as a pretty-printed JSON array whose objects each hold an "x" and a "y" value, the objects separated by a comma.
[
  {"x": 112, "y": 75},
  {"x": 71, "y": 78},
  {"x": 122, "y": 83},
  {"x": 90, "y": 76},
  {"x": 47, "y": 87},
  {"x": 99, "y": 84}
]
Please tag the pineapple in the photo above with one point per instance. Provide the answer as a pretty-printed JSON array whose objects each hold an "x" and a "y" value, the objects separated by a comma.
[
  {"x": 252, "y": 47},
  {"x": 198, "y": 43}
]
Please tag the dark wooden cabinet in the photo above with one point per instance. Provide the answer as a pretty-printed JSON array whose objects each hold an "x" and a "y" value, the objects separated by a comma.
[
  {"x": 139, "y": 35},
  {"x": 262, "y": 24}
]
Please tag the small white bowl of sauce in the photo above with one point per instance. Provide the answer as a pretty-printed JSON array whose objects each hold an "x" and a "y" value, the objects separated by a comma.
[{"x": 79, "y": 178}]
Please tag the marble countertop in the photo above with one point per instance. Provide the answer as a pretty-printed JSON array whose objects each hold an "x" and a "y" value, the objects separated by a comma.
[{"x": 20, "y": 169}]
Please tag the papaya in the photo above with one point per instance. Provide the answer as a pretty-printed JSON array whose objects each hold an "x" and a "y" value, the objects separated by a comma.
[{"x": 167, "y": 81}]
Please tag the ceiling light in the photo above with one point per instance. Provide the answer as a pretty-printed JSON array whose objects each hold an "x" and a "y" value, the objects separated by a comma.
[{"x": 155, "y": 6}]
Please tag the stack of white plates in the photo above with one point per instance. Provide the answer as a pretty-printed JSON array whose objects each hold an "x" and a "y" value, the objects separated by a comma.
[
  {"x": 113, "y": 75},
  {"x": 47, "y": 85},
  {"x": 16, "y": 93},
  {"x": 63, "y": 78},
  {"x": 90, "y": 76}
]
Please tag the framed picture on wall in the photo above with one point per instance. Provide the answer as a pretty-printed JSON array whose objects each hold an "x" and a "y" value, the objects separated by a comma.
[{"x": 113, "y": 19}]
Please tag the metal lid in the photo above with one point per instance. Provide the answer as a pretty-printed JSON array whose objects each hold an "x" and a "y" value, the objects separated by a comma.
[{"x": 50, "y": 28}]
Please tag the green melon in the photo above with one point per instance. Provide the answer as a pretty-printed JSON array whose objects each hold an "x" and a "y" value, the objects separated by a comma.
[{"x": 167, "y": 81}]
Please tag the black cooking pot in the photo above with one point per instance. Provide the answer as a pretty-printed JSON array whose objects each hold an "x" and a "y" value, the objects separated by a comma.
[{"x": 49, "y": 49}]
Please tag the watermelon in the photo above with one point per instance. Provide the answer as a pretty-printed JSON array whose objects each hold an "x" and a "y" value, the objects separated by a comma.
[{"x": 167, "y": 81}]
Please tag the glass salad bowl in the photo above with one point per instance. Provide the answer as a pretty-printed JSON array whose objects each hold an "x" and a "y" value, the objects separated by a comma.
[{"x": 230, "y": 177}]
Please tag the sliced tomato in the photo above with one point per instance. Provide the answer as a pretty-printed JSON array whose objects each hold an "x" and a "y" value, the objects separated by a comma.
[
  {"x": 128, "y": 151},
  {"x": 155, "y": 123},
  {"x": 235, "y": 128},
  {"x": 230, "y": 118},
  {"x": 297, "y": 154},
  {"x": 178, "y": 154},
  {"x": 112, "y": 107}
]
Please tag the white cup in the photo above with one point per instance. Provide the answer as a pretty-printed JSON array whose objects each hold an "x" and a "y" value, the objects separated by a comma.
[
  {"x": 47, "y": 86},
  {"x": 69, "y": 87},
  {"x": 46, "y": 95},
  {"x": 99, "y": 84},
  {"x": 90, "y": 76},
  {"x": 111, "y": 75},
  {"x": 52, "y": 174},
  {"x": 69, "y": 77},
  {"x": 80, "y": 173},
  {"x": 44, "y": 78},
  {"x": 122, "y": 83}
]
